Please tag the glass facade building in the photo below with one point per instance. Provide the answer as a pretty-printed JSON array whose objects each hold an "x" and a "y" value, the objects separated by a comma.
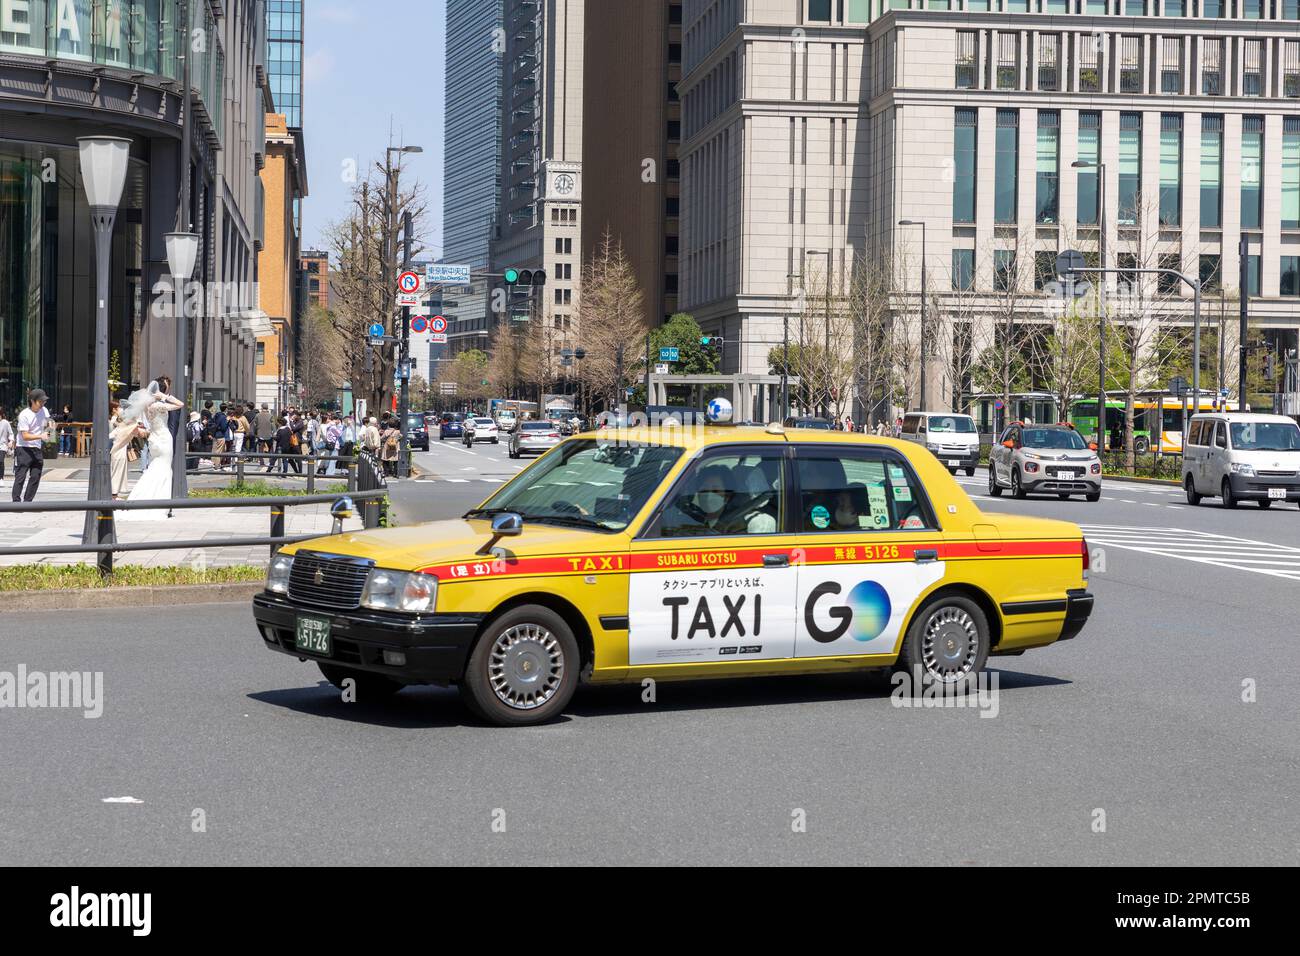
[
  {"x": 472, "y": 189},
  {"x": 284, "y": 42}
]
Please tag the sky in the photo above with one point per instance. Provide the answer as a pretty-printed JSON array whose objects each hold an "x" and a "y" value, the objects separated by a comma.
[{"x": 373, "y": 77}]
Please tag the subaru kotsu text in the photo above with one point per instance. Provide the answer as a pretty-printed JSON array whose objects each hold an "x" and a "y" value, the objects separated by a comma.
[{"x": 676, "y": 554}]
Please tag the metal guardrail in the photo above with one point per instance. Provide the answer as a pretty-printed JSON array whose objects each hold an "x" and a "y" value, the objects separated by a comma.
[
  {"x": 247, "y": 463},
  {"x": 366, "y": 485}
]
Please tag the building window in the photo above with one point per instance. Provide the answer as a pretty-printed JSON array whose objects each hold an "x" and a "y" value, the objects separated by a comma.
[
  {"x": 1167, "y": 284},
  {"x": 1252, "y": 160},
  {"x": 1089, "y": 67},
  {"x": 1056, "y": 6},
  {"x": 1134, "y": 8},
  {"x": 1290, "y": 9},
  {"x": 966, "y": 45},
  {"x": 1089, "y": 151},
  {"x": 1211, "y": 274},
  {"x": 1048, "y": 60},
  {"x": 261, "y": 348},
  {"x": 1130, "y": 167},
  {"x": 1212, "y": 171},
  {"x": 1291, "y": 67},
  {"x": 1008, "y": 61},
  {"x": 1171, "y": 169},
  {"x": 1250, "y": 9},
  {"x": 1290, "y": 276},
  {"x": 1049, "y": 162},
  {"x": 1212, "y": 9},
  {"x": 1007, "y": 150},
  {"x": 963, "y": 184},
  {"x": 1171, "y": 64},
  {"x": 1004, "y": 270},
  {"x": 963, "y": 270},
  {"x": 1212, "y": 66},
  {"x": 1127, "y": 263},
  {"x": 859, "y": 11},
  {"x": 1291, "y": 172},
  {"x": 1174, "y": 8},
  {"x": 1252, "y": 76},
  {"x": 1130, "y": 64},
  {"x": 1252, "y": 275},
  {"x": 819, "y": 11},
  {"x": 1044, "y": 270}
]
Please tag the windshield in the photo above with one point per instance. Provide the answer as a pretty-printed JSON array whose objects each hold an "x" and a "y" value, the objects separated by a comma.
[
  {"x": 953, "y": 424},
  {"x": 1052, "y": 438},
  {"x": 599, "y": 485},
  {"x": 1265, "y": 436}
]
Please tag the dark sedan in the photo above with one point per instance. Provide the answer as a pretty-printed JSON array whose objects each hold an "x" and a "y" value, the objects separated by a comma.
[
  {"x": 451, "y": 426},
  {"x": 417, "y": 433}
]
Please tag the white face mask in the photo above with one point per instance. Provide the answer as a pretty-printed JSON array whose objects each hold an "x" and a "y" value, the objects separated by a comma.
[{"x": 710, "y": 501}]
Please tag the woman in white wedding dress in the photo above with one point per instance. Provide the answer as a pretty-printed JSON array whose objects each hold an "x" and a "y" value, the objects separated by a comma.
[{"x": 150, "y": 407}]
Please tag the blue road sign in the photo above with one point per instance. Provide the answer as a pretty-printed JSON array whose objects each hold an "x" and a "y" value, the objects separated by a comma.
[
  {"x": 377, "y": 330},
  {"x": 670, "y": 354}
]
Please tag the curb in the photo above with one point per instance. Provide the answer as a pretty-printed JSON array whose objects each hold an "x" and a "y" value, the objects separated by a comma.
[{"x": 80, "y": 599}]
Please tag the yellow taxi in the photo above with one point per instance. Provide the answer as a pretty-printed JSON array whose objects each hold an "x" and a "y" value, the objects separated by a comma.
[{"x": 679, "y": 553}]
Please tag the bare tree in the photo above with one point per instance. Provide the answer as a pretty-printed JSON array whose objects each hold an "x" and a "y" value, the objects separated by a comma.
[
  {"x": 1001, "y": 365},
  {"x": 321, "y": 361},
  {"x": 366, "y": 249},
  {"x": 611, "y": 319}
]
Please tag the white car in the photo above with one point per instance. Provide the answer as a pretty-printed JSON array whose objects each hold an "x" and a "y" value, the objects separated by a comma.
[
  {"x": 480, "y": 428},
  {"x": 951, "y": 437},
  {"x": 506, "y": 422}
]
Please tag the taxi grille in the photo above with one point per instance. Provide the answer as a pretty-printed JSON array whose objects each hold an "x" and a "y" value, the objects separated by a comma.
[{"x": 328, "y": 580}]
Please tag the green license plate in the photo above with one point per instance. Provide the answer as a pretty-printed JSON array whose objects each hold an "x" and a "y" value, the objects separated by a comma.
[{"x": 313, "y": 635}]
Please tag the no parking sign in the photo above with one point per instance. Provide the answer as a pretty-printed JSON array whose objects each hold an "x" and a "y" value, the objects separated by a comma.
[{"x": 419, "y": 323}]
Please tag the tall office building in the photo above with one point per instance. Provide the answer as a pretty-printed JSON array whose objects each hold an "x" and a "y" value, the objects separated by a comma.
[
  {"x": 539, "y": 212},
  {"x": 818, "y": 125},
  {"x": 284, "y": 45},
  {"x": 472, "y": 157}
]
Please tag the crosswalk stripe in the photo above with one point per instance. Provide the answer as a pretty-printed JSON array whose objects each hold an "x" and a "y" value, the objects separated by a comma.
[{"x": 1202, "y": 547}]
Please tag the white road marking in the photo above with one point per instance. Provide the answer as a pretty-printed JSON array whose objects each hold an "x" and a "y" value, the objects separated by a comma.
[
  {"x": 120, "y": 800},
  {"x": 1202, "y": 547}
]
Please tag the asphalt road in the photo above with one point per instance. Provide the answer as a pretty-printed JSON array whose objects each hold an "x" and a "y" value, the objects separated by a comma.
[{"x": 1141, "y": 717}]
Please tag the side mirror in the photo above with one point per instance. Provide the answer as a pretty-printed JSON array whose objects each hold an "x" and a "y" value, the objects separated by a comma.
[
  {"x": 341, "y": 509},
  {"x": 1092, "y": 446},
  {"x": 508, "y": 524},
  {"x": 1008, "y": 444}
]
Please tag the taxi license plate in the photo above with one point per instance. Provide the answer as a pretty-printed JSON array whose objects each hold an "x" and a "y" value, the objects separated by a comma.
[
  {"x": 313, "y": 635},
  {"x": 1277, "y": 494},
  {"x": 1065, "y": 475}
]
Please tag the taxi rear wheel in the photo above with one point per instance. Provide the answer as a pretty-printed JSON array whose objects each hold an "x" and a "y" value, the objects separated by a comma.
[
  {"x": 947, "y": 642},
  {"x": 524, "y": 668}
]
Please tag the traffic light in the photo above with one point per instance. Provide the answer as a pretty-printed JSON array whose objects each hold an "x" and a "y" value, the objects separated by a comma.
[
  {"x": 712, "y": 341},
  {"x": 525, "y": 277}
]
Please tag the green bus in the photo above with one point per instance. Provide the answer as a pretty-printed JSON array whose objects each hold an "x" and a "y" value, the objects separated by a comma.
[{"x": 1083, "y": 415}]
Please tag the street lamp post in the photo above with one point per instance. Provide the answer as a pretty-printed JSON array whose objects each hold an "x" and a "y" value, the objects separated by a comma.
[
  {"x": 826, "y": 356},
  {"x": 925, "y": 315},
  {"x": 785, "y": 343},
  {"x": 103, "y": 173},
  {"x": 1101, "y": 297},
  {"x": 182, "y": 253},
  {"x": 404, "y": 401}
]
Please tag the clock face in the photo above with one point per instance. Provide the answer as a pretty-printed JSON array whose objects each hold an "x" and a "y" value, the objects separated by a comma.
[{"x": 564, "y": 184}]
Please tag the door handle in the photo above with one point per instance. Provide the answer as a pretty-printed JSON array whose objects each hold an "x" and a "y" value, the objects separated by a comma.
[
  {"x": 776, "y": 560},
  {"x": 926, "y": 556}
]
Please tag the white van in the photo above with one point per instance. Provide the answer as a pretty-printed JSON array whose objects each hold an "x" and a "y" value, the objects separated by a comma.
[
  {"x": 1242, "y": 456},
  {"x": 952, "y": 437}
]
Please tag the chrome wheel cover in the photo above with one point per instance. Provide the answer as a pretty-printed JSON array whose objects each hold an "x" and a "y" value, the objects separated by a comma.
[
  {"x": 949, "y": 644},
  {"x": 525, "y": 666}
]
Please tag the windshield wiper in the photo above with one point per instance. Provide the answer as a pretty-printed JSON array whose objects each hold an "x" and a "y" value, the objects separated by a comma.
[
  {"x": 485, "y": 512},
  {"x": 576, "y": 521}
]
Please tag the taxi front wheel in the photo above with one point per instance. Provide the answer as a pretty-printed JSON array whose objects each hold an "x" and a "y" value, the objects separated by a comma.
[
  {"x": 947, "y": 642},
  {"x": 524, "y": 668}
]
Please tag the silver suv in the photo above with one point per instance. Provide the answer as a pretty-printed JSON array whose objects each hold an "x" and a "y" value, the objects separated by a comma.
[{"x": 1044, "y": 458}]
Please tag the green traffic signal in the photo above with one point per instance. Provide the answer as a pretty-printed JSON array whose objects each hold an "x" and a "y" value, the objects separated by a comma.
[{"x": 512, "y": 276}]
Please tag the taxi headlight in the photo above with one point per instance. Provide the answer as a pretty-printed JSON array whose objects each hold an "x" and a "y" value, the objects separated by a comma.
[
  {"x": 1238, "y": 468},
  {"x": 277, "y": 575},
  {"x": 399, "y": 591}
]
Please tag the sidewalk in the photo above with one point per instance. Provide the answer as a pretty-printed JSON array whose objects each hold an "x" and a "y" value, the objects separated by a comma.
[{"x": 67, "y": 479}]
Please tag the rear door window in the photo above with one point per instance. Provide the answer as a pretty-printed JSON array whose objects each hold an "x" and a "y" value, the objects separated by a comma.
[{"x": 860, "y": 490}]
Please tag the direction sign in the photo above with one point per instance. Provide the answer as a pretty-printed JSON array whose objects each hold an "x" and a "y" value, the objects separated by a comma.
[
  {"x": 444, "y": 274},
  {"x": 438, "y": 338},
  {"x": 1070, "y": 262},
  {"x": 438, "y": 324},
  {"x": 408, "y": 282},
  {"x": 661, "y": 368},
  {"x": 409, "y": 300},
  {"x": 670, "y": 354},
  {"x": 419, "y": 324},
  {"x": 377, "y": 330}
]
